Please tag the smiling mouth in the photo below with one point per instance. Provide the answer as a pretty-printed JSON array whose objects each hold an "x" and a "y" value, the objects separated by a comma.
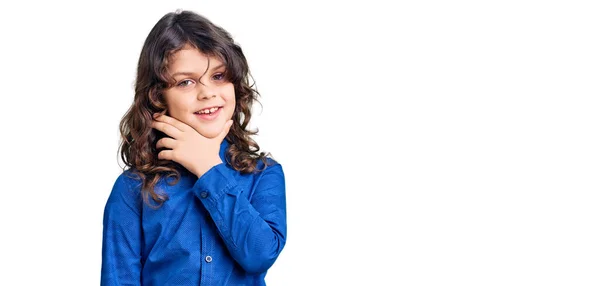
[{"x": 208, "y": 111}]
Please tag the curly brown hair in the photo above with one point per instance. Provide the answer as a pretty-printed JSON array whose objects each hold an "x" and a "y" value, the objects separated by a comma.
[{"x": 138, "y": 139}]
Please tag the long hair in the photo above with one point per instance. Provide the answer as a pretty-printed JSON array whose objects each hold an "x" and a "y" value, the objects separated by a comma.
[{"x": 138, "y": 139}]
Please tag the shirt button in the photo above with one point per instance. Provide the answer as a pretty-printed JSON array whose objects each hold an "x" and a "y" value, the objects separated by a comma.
[
  {"x": 208, "y": 259},
  {"x": 204, "y": 195}
]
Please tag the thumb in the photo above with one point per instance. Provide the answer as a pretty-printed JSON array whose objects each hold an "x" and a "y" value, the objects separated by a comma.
[{"x": 225, "y": 131}]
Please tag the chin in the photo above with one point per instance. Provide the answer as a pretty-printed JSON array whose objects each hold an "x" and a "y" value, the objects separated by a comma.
[{"x": 208, "y": 133}]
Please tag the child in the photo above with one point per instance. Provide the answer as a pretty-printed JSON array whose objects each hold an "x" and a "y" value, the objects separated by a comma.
[{"x": 198, "y": 205}]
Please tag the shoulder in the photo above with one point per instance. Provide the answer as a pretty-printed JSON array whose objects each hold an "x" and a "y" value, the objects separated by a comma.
[
  {"x": 125, "y": 192},
  {"x": 268, "y": 166},
  {"x": 128, "y": 180},
  {"x": 271, "y": 172}
]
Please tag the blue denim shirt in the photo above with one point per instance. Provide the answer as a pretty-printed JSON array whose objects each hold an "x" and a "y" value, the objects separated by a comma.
[{"x": 224, "y": 228}]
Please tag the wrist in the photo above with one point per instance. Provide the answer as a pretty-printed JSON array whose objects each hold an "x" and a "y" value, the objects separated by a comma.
[{"x": 202, "y": 170}]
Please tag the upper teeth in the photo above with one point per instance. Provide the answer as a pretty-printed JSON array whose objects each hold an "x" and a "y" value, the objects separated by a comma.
[{"x": 208, "y": 110}]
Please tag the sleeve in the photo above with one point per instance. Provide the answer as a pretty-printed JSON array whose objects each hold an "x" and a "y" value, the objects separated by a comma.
[
  {"x": 121, "y": 237},
  {"x": 254, "y": 231}
]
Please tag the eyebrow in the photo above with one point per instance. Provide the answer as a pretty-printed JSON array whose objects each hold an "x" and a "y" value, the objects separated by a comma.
[{"x": 193, "y": 73}]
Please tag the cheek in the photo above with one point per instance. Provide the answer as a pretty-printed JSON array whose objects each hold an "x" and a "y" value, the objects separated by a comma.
[
  {"x": 232, "y": 104},
  {"x": 231, "y": 95},
  {"x": 176, "y": 106},
  {"x": 171, "y": 108}
]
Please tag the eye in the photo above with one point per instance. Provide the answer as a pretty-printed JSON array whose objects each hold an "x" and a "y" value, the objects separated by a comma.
[
  {"x": 219, "y": 76},
  {"x": 185, "y": 83}
]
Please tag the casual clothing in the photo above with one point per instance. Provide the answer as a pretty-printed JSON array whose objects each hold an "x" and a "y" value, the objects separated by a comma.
[{"x": 224, "y": 228}]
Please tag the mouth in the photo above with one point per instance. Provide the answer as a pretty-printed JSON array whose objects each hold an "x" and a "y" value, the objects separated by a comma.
[{"x": 209, "y": 112}]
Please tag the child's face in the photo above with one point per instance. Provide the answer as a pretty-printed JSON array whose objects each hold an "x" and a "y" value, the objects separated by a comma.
[{"x": 200, "y": 84}]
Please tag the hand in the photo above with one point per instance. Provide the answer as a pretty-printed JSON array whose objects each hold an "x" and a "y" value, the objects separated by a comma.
[{"x": 188, "y": 147}]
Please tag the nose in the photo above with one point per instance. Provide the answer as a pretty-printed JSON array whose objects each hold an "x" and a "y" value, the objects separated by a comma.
[
  {"x": 205, "y": 95},
  {"x": 206, "y": 91}
]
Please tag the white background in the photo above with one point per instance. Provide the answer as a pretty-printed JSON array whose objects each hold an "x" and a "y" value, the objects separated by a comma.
[{"x": 426, "y": 143}]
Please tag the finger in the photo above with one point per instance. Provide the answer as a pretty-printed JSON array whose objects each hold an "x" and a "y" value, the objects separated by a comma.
[
  {"x": 166, "y": 142},
  {"x": 167, "y": 129},
  {"x": 166, "y": 155},
  {"x": 225, "y": 131},
  {"x": 170, "y": 120}
]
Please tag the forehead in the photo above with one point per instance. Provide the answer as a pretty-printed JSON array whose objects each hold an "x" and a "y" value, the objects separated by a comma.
[{"x": 190, "y": 59}]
